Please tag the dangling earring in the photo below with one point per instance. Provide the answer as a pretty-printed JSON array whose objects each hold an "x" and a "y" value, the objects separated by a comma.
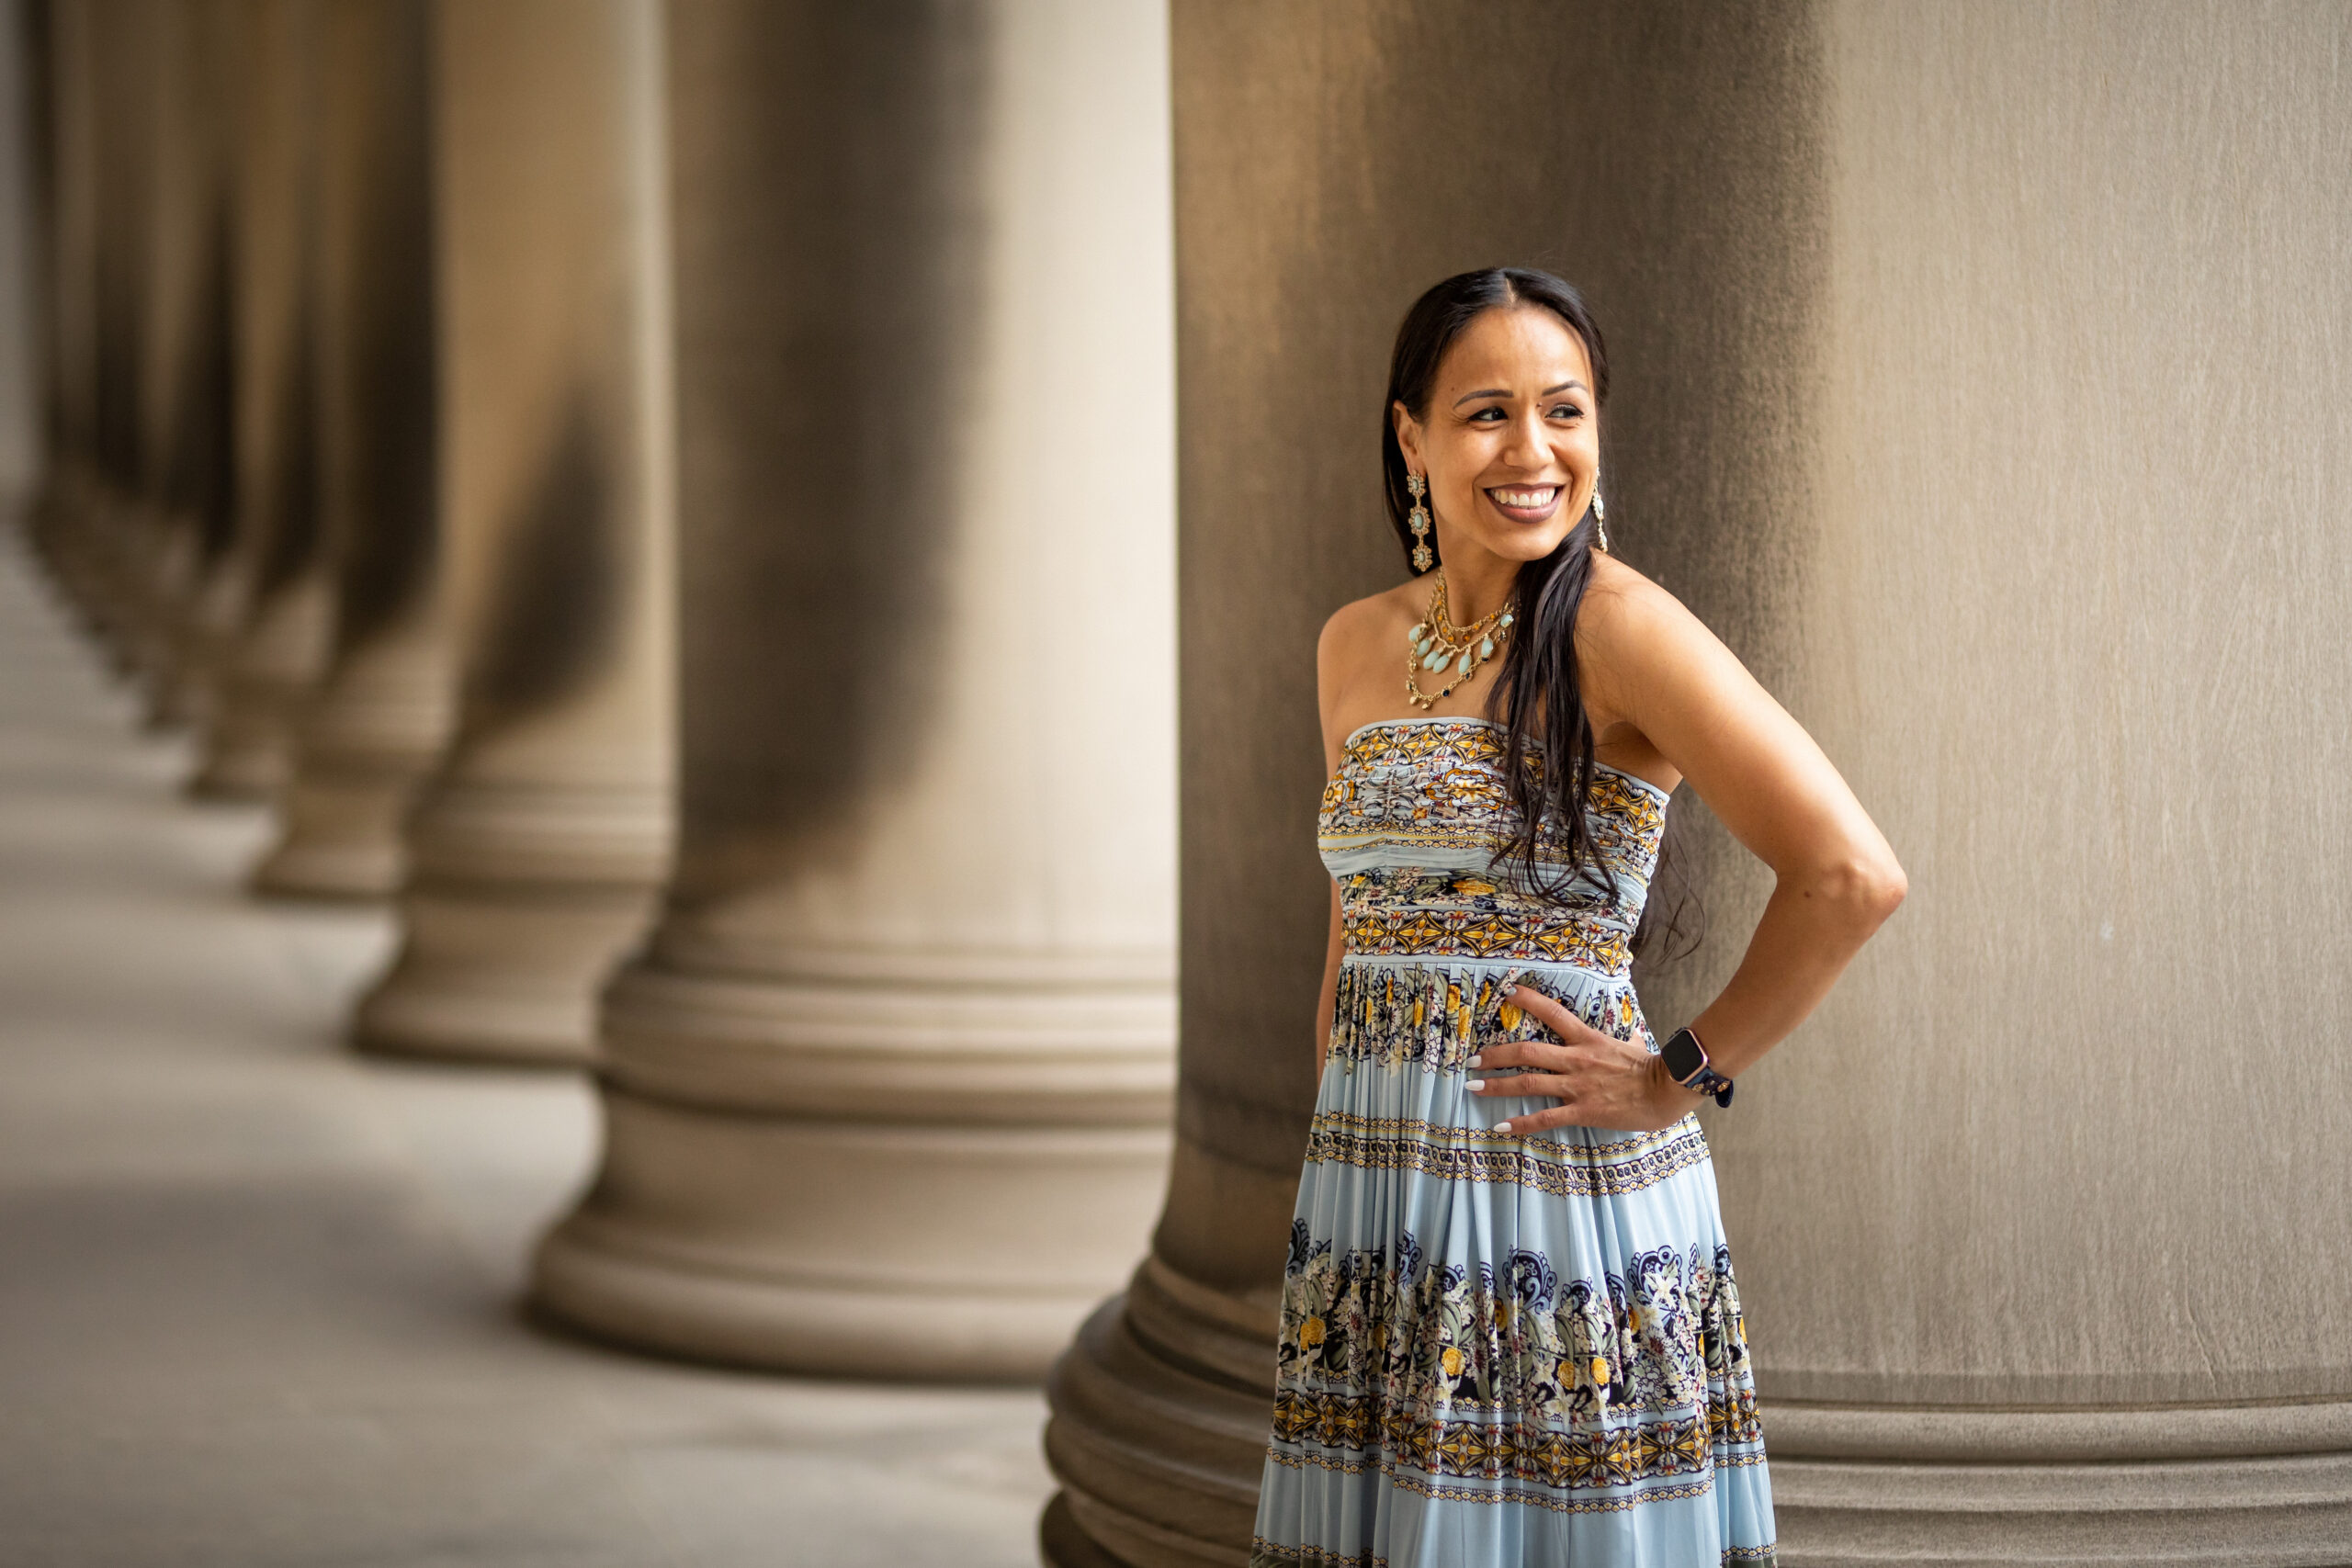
[
  {"x": 1419, "y": 520},
  {"x": 1600, "y": 522}
]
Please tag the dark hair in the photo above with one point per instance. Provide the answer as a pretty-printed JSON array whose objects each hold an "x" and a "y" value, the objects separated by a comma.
[{"x": 1548, "y": 743}]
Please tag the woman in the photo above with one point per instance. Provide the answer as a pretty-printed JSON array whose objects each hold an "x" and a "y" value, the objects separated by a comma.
[{"x": 1510, "y": 1329}]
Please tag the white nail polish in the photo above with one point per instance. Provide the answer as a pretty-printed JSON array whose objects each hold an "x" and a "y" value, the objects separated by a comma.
[
  {"x": 1474, "y": 1084},
  {"x": 1471, "y": 1063},
  {"x": 1502, "y": 1126}
]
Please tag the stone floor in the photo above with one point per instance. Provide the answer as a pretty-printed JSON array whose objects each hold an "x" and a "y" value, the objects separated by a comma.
[{"x": 259, "y": 1296}]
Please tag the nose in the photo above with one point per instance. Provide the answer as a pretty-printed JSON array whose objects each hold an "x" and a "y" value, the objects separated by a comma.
[{"x": 1528, "y": 447}]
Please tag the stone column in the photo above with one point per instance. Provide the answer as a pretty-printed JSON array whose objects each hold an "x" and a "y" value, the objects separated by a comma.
[
  {"x": 123, "y": 78},
  {"x": 188, "y": 404},
  {"x": 1936, "y": 351},
  {"x": 2069, "y": 607},
  {"x": 536, "y": 854},
  {"x": 1298, "y": 250},
  {"x": 279, "y": 628},
  {"x": 64, "y": 522},
  {"x": 887, "y": 1093},
  {"x": 380, "y": 719}
]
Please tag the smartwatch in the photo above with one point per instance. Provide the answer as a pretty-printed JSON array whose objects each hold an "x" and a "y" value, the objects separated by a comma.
[{"x": 1687, "y": 1063}]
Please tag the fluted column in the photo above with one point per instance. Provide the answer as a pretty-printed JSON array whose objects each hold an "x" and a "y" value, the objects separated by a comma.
[
  {"x": 187, "y": 404},
  {"x": 280, "y": 617},
  {"x": 2069, "y": 605},
  {"x": 378, "y": 720},
  {"x": 536, "y": 853},
  {"x": 1900, "y": 310},
  {"x": 64, "y": 521},
  {"x": 887, "y": 1093},
  {"x": 121, "y": 47}
]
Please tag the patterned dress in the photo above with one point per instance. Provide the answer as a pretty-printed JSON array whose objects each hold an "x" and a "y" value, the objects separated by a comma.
[{"x": 1496, "y": 1349}]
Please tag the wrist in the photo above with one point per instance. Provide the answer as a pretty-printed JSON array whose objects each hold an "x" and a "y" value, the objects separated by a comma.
[
  {"x": 1686, "y": 1060},
  {"x": 1675, "y": 1099}
]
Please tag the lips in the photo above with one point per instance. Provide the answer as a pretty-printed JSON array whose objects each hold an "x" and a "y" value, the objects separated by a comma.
[{"x": 1525, "y": 503}]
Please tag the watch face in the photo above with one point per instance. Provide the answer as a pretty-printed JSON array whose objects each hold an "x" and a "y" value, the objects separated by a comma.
[{"x": 1682, "y": 1055}]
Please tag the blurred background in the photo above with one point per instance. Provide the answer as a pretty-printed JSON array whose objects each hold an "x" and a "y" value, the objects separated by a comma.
[{"x": 658, "y": 752}]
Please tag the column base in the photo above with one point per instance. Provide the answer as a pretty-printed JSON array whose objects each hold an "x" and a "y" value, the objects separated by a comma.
[
  {"x": 2258, "y": 1485},
  {"x": 847, "y": 1249},
  {"x": 341, "y": 839},
  {"x": 1158, "y": 1459},
  {"x": 249, "y": 740},
  {"x": 245, "y": 756},
  {"x": 1164, "y": 1406},
  {"x": 501, "y": 974}
]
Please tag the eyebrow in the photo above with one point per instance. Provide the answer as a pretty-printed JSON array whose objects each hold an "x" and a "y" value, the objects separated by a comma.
[{"x": 1505, "y": 391}]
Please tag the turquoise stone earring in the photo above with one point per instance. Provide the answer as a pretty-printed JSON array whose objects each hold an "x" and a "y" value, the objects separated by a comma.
[{"x": 1419, "y": 520}]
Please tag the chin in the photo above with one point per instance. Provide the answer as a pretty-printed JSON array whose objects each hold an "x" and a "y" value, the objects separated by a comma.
[{"x": 1530, "y": 542}]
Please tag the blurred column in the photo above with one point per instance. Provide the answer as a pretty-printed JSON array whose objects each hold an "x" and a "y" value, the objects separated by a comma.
[
  {"x": 378, "y": 720},
  {"x": 64, "y": 521},
  {"x": 280, "y": 621},
  {"x": 122, "y": 52},
  {"x": 886, "y": 1095},
  {"x": 187, "y": 405},
  {"x": 538, "y": 851},
  {"x": 1986, "y": 388}
]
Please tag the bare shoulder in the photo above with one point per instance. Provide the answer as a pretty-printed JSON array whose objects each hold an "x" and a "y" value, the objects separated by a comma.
[
  {"x": 1638, "y": 645},
  {"x": 1363, "y": 626},
  {"x": 1355, "y": 654},
  {"x": 1620, "y": 604}
]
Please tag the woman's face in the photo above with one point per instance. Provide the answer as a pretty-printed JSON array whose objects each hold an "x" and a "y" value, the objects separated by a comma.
[{"x": 1509, "y": 444}]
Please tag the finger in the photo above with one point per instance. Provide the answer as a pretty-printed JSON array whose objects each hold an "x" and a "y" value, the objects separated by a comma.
[
  {"x": 1549, "y": 1086},
  {"x": 1540, "y": 1121},
  {"x": 1537, "y": 1056},
  {"x": 1541, "y": 1054}
]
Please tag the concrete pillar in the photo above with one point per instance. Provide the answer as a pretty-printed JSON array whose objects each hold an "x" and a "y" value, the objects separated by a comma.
[
  {"x": 1985, "y": 388},
  {"x": 187, "y": 403},
  {"x": 2068, "y": 604},
  {"x": 63, "y": 520},
  {"x": 376, "y": 723},
  {"x": 24, "y": 181},
  {"x": 887, "y": 1093},
  {"x": 536, "y": 854},
  {"x": 280, "y": 623},
  {"x": 123, "y": 92}
]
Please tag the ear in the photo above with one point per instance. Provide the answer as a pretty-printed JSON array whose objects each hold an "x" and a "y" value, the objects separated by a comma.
[{"x": 1409, "y": 437}]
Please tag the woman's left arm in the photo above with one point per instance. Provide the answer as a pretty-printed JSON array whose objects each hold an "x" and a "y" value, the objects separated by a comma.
[{"x": 1652, "y": 668}]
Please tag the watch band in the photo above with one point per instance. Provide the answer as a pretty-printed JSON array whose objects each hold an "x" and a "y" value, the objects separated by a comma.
[{"x": 1702, "y": 1079}]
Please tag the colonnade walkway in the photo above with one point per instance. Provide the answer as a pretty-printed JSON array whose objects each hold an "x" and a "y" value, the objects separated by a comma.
[{"x": 258, "y": 1296}]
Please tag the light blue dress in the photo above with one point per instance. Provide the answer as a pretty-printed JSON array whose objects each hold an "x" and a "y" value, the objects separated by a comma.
[{"x": 1497, "y": 1350}]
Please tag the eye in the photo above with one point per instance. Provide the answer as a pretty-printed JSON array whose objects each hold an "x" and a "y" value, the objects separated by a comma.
[
  {"x": 1490, "y": 415},
  {"x": 1565, "y": 411}
]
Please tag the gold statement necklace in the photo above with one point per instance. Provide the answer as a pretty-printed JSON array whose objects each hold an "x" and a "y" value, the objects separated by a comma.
[{"x": 1436, "y": 643}]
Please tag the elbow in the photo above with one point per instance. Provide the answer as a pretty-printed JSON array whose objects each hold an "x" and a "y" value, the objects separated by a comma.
[{"x": 1864, "y": 889}]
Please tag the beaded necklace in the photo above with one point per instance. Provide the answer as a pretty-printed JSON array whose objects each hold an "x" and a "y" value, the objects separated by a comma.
[{"x": 1436, "y": 642}]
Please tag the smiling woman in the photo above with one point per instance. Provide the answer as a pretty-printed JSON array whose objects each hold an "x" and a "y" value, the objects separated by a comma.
[{"x": 1511, "y": 1331}]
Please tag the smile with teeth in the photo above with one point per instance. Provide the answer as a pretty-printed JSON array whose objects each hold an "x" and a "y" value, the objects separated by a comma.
[{"x": 1525, "y": 499}]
